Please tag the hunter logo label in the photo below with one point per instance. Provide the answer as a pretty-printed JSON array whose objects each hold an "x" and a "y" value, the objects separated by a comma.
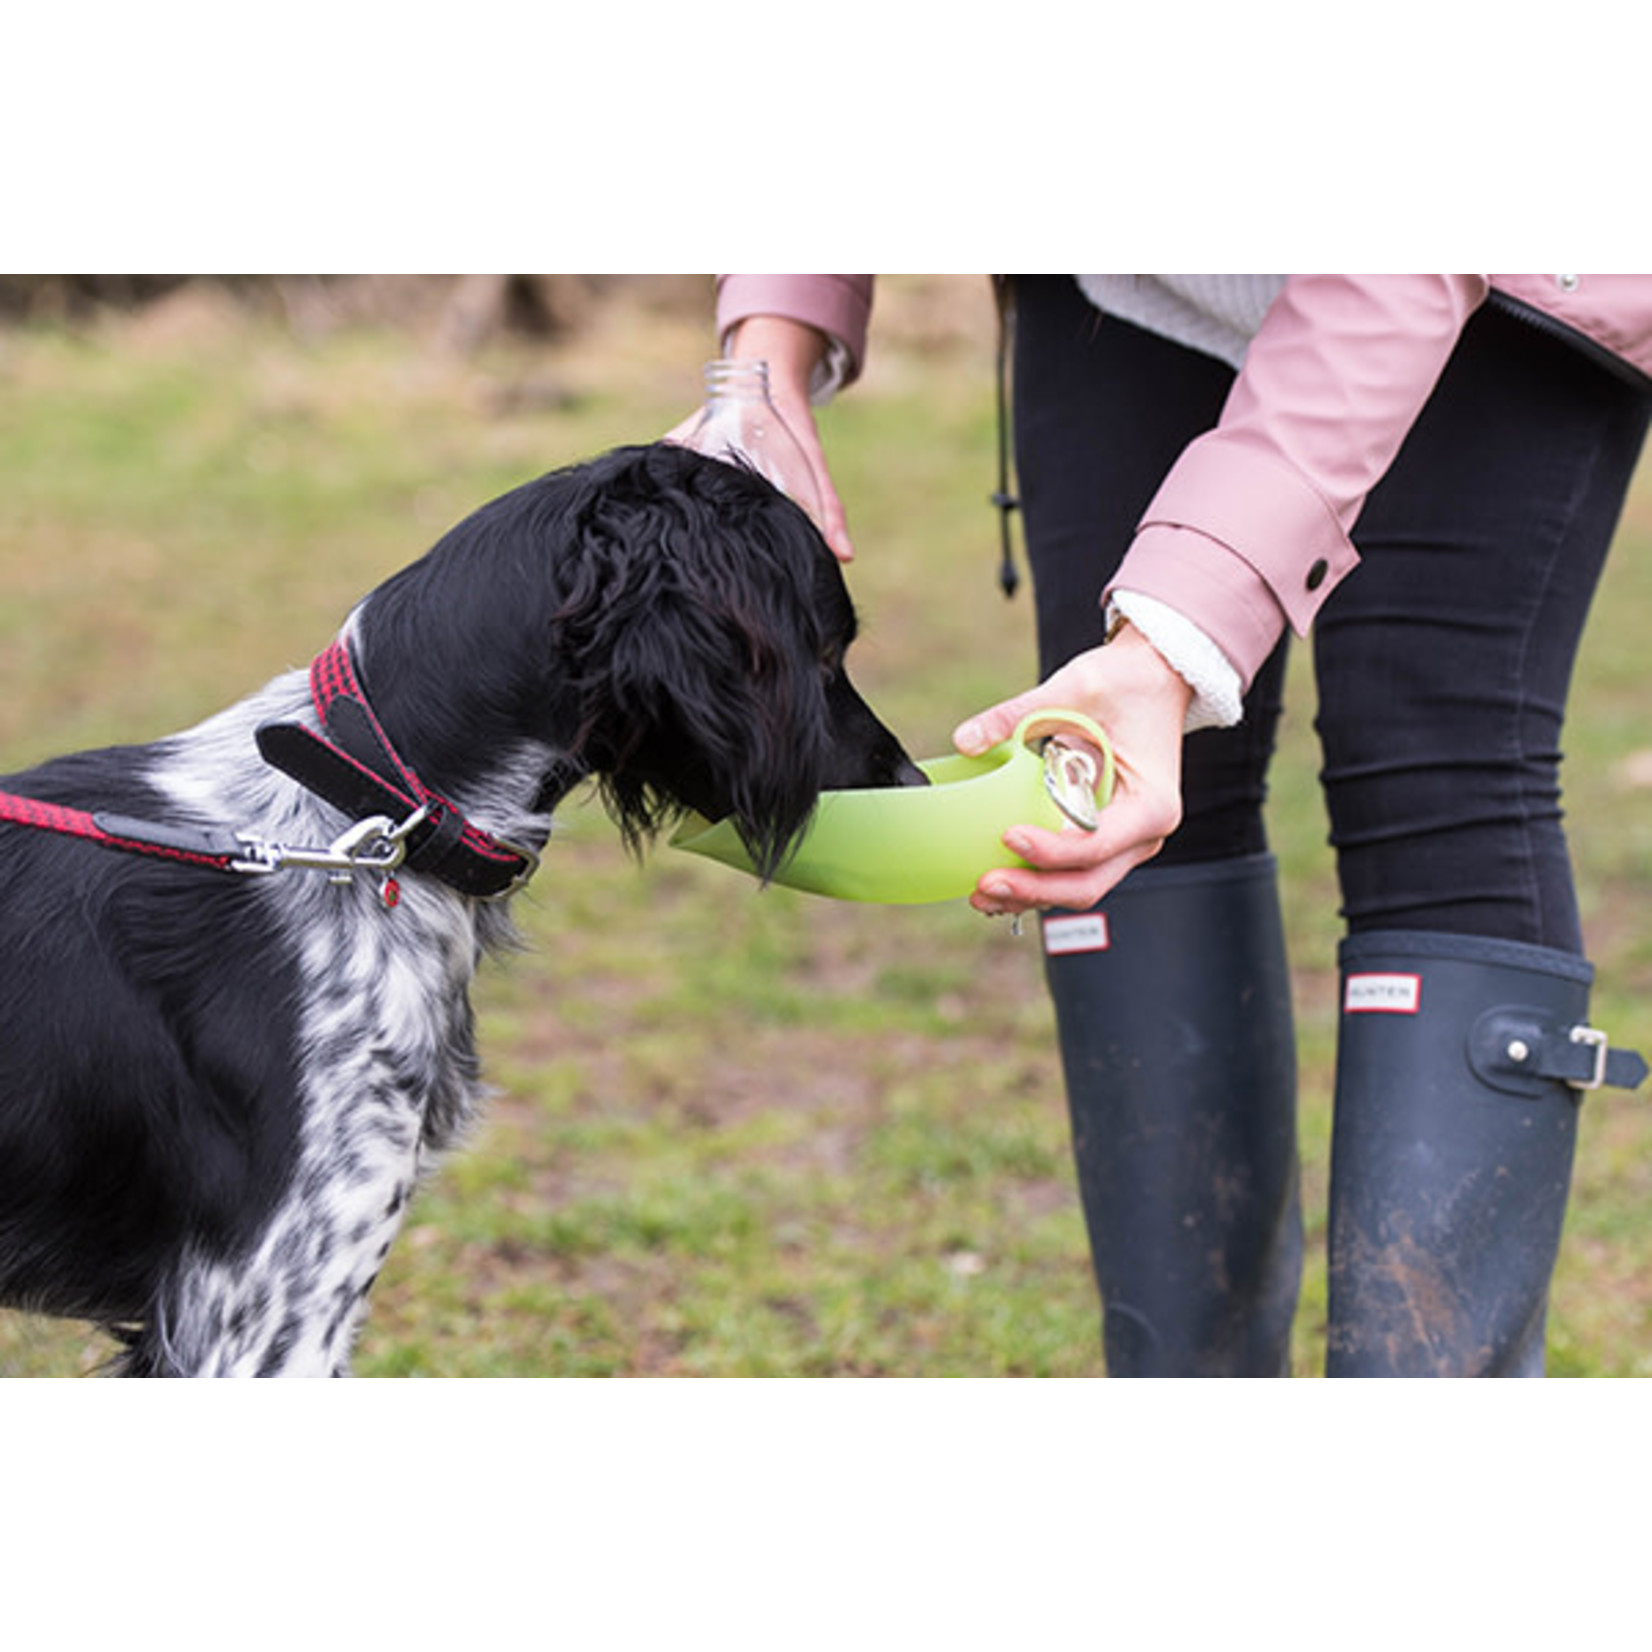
[
  {"x": 1384, "y": 994},
  {"x": 1080, "y": 932}
]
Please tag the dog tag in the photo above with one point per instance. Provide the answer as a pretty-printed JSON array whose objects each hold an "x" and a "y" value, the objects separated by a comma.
[{"x": 390, "y": 892}]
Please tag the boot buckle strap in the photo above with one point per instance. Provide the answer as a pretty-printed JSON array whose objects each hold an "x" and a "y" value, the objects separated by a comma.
[{"x": 1515, "y": 1050}]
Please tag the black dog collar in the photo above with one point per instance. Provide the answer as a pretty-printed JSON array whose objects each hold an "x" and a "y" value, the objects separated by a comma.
[{"x": 352, "y": 765}]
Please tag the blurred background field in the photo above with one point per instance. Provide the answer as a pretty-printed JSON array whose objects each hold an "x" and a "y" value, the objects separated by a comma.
[{"x": 737, "y": 1133}]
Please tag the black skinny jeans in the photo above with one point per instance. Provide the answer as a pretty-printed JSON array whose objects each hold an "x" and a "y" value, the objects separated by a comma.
[{"x": 1442, "y": 661}]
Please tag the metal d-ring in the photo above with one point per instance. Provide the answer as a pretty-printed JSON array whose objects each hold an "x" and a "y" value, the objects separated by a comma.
[{"x": 1071, "y": 778}]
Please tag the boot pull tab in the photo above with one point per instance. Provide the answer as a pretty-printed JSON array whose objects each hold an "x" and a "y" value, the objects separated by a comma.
[{"x": 1518, "y": 1051}]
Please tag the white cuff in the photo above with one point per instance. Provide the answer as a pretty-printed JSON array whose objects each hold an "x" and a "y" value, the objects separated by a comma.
[{"x": 1218, "y": 693}]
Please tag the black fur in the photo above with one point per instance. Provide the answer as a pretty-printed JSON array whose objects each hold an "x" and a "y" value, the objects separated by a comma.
[{"x": 217, "y": 1092}]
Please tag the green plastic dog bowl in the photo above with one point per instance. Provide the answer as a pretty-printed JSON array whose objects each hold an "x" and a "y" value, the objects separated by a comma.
[{"x": 908, "y": 845}]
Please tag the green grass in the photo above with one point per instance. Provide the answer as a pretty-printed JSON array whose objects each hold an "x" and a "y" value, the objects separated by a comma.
[{"x": 737, "y": 1132}]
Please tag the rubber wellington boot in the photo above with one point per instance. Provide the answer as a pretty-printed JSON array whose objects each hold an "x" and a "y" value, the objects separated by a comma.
[
  {"x": 1173, "y": 1005},
  {"x": 1460, "y": 1068}
]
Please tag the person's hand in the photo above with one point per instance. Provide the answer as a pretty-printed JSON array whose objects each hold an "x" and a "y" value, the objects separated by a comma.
[
  {"x": 1142, "y": 703},
  {"x": 792, "y": 350}
]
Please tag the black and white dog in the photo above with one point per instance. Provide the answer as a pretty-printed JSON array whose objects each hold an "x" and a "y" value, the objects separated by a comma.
[{"x": 218, "y": 1088}]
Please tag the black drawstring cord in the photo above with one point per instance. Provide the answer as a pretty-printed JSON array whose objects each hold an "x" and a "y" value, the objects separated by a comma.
[{"x": 1009, "y": 577}]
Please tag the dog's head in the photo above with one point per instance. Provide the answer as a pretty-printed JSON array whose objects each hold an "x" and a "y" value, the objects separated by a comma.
[
  {"x": 668, "y": 624},
  {"x": 711, "y": 627}
]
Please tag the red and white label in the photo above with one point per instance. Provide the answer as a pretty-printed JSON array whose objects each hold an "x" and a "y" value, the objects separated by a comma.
[
  {"x": 1382, "y": 994},
  {"x": 1076, "y": 932}
]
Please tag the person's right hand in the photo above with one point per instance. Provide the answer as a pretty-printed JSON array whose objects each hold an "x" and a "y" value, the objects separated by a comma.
[{"x": 793, "y": 350}]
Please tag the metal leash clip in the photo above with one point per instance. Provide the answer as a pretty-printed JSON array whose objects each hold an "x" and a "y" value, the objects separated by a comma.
[
  {"x": 377, "y": 845},
  {"x": 1071, "y": 778}
]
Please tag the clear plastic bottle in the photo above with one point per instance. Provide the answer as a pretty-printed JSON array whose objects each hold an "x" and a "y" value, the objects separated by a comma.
[{"x": 742, "y": 425}]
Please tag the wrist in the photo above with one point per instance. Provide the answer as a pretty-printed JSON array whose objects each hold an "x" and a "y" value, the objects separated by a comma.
[
  {"x": 1146, "y": 671},
  {"x": 794, "y": 351}
]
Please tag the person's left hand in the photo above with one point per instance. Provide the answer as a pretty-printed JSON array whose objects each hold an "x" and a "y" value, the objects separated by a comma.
[{"x": 1141, "y": 703}]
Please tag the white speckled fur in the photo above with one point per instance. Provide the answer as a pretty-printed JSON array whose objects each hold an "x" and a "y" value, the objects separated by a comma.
[{"x": 389, "y": 1067}]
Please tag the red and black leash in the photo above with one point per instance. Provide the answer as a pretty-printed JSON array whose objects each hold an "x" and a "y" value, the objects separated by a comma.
[
  {"x": 352, "y": 765},
  {"x": 116, "y": 831}
]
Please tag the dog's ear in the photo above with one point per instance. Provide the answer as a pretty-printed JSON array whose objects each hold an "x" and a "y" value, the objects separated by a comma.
[{"x": 706, "y": 640}]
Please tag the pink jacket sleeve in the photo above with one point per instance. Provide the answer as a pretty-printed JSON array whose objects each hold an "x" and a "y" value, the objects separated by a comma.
[
  {"x": 1249, "y": 531},
  {"x": 840, "y": 306}
]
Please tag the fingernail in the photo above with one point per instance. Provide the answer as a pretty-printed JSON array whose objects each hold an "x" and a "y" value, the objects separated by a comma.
[
  {"x": 968, "y": 736},
  {"x": 996, "y": 889}
]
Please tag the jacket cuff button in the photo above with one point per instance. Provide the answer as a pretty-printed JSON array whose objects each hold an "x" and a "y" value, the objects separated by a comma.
[{"x": 1317, "y": 573}]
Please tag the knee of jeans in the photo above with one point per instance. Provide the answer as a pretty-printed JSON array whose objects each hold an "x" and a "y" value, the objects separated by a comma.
[{"x": 1464, "y": 846}]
